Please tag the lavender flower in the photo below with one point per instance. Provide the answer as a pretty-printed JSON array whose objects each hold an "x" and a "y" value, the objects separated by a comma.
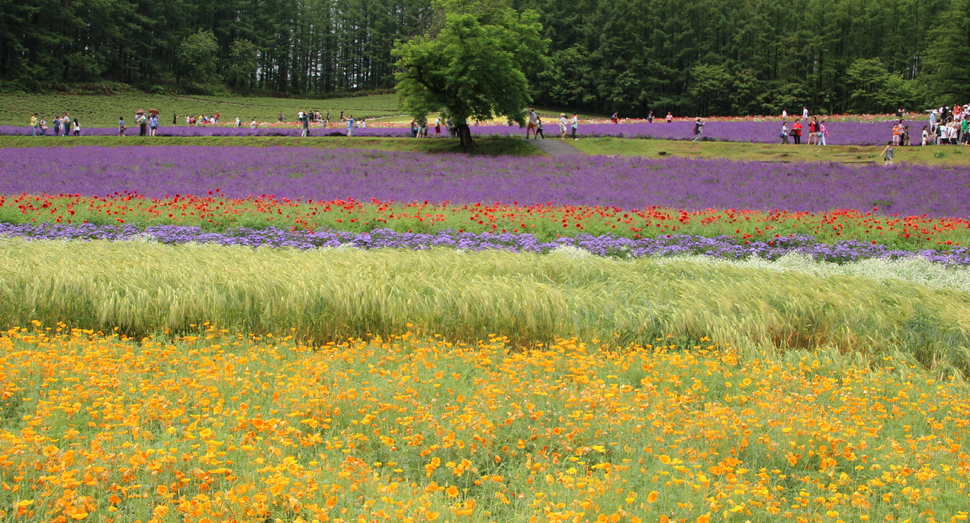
[
  {"x": 628, "y": 183},
  {"x": 722, "y": 247}
]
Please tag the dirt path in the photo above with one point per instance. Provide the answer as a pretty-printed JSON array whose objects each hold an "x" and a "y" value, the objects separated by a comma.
[{"x": 556, "y": 147}]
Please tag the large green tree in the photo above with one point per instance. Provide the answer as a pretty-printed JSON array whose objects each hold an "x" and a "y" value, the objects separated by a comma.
[
  {"x": 198, "y": 55},
  {"x": 471, "y": 63}
]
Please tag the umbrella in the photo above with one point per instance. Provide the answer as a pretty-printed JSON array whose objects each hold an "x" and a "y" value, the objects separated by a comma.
[
  {"x": 140, "y": 111},
  {"x": 153, "y": 111}
]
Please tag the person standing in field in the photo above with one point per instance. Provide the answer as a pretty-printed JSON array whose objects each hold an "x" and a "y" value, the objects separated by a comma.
[
  {"x": 121, "y": 126},
  {"x": 784, "y": 134},
  {"x": 563, "y": 123},
  {"x": 153, "y": 124},
  {"x": 305, "y": 124},
  {"x": 811, "y": 132},
  {"x": 926, "y": 137},
  {"x": 650, "y": 117},
  {"x": 539, "y": 128},
  {"x": 57, "y": 125},
  {"x": 822, "y": 133},
  {"x": 437, "y": 127},
  {"x": 670, "y": 117},
  {"x": 887, "y": 154},
  {"x": 531, "y": 127},
  {"x": 33, "y": 125},
  {"x": 77, "y": 128},
  {"x": 575, "y": 125},
  {"x": 615, "y": 118},
  {"x": 350, "y": 125},
  {"x": 784, "y": 115},
  {"x": 805, "y": 113},
  {"x": 252, "y": 124},
  {"x": 796, "y": 132},
  {"x": 698, "y": 128}
]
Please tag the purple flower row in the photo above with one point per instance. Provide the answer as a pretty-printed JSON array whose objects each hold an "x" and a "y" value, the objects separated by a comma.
[
  {"x": 628, "y": 183},
  {"x": 840, "y": 133},
  {"x": 722, "y": 247}
]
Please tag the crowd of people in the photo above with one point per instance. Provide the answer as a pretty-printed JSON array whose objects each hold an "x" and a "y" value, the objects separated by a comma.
[
  {"x": 62, "y": 125},
  {"x": 534, "y": 127},
  {"x": 148, "y": 124},
  {"x": 812, "y": 127},
  {"x": 948, "y": 126}
]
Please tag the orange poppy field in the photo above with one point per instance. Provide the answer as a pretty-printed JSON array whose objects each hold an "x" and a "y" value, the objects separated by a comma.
[{"x": 225, "y": 427}]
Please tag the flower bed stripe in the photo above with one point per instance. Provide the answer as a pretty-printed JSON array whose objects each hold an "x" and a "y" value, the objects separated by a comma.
[{"x": 722, "y": 247}]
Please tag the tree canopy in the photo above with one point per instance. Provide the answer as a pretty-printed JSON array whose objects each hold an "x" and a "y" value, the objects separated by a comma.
[
  {"x": 691, "y": 57},
  {"x": 471, "y": 63}
]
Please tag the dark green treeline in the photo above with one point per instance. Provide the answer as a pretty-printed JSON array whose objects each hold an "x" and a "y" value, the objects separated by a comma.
[
  {"x": 691, "y": 57},
  {"x": 284, "y": 46}
]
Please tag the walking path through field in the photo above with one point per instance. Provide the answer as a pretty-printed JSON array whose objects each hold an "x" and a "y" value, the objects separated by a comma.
[{"x": 556, "y": 147}]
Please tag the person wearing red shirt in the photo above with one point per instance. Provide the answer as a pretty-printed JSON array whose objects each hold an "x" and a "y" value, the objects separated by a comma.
[{"x": 796, "y": 132}]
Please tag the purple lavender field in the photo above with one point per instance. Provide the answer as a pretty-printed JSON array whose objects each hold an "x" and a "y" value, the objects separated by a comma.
[
  {"x": 840, "y": 133},
  {"x": 308, "y": 173}
]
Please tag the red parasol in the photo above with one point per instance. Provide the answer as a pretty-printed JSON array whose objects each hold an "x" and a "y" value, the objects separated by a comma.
[
  {"x": 140, "y": 111},
  {"x": 153, "y": 111}
]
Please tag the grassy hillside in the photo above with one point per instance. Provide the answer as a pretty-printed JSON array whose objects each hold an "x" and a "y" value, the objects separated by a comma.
[{"x": 104, "y": 110}]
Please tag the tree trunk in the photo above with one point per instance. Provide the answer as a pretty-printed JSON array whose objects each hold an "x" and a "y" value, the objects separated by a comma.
[{"x": 465, "y": 135}]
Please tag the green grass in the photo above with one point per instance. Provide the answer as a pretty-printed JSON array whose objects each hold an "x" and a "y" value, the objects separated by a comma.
[
  {"x": 104, "y": 110},
  {"x": 334, "y": 294},
  {"x": 761, "y": 152}
]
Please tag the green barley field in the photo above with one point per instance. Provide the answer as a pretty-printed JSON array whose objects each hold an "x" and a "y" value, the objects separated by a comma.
[{"x": 330, "y": 295}]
